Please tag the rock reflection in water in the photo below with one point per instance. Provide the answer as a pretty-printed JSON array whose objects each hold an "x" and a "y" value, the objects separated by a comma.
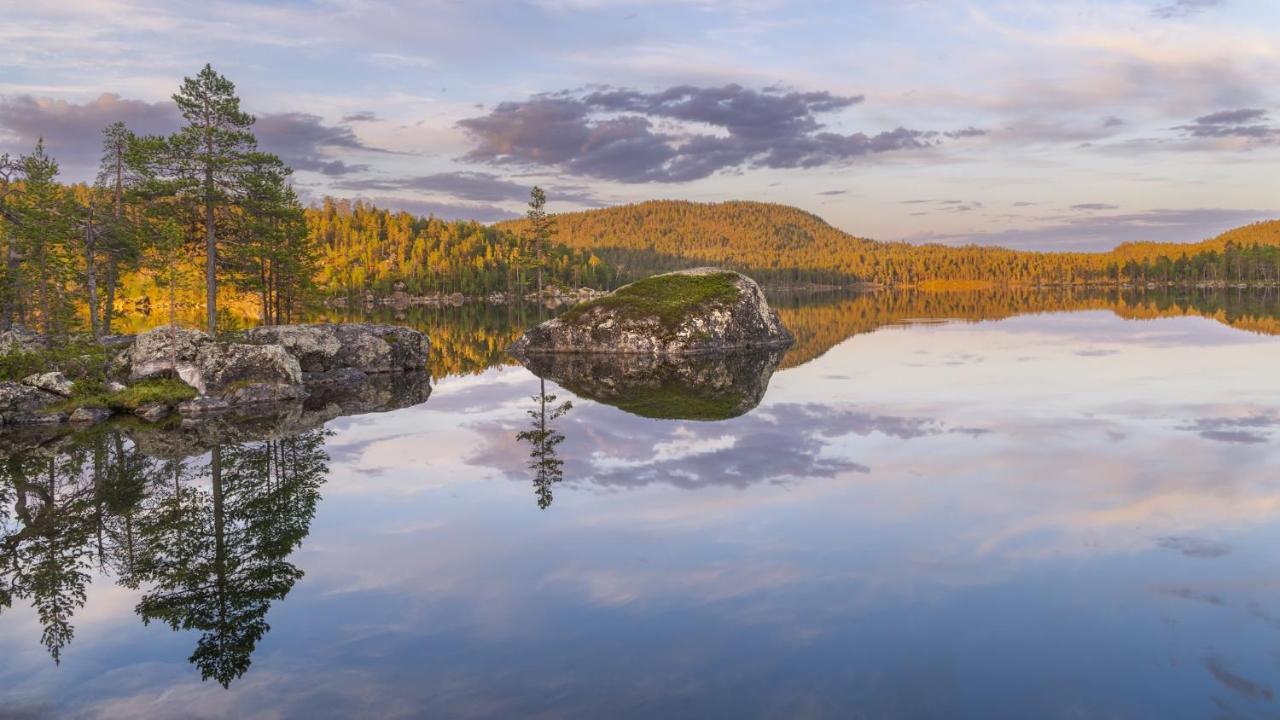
[
  {"x": 200, "y": 516},
  {"x": 708, "y": 387}
]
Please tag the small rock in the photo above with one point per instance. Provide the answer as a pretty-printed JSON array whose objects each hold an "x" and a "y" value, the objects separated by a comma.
[
  {"x": 89, "y": 415},
  {"x": 152, "y": 412},
  {"x": 54, "y": 382},
  {"x": 116, "y": 387},
  {"x": 203, "y": 406}
]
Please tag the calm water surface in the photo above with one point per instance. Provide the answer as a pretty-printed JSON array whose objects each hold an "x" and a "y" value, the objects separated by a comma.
[{"x": 1069, "y": 509}]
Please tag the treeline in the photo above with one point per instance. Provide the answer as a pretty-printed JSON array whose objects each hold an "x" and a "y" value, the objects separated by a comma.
[
  {"x": 782, "y": 244},
  {"x": 162, "y": 207},
  {"x": 366, "y": 248}
]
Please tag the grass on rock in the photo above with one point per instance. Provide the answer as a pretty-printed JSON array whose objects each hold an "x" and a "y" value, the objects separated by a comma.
[
  {"x": 166, "y": 391},
  {"x": 670, "y": 298}
]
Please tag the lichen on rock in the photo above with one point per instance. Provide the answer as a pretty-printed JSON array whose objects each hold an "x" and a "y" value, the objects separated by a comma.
[{"x": 689, "y": 312}]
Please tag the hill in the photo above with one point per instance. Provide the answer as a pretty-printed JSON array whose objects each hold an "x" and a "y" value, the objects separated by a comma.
[{"x": 778, "y": 243}]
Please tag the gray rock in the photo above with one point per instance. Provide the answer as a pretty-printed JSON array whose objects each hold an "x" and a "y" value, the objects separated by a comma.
[
  {"x": 24, "y": 405},
  {"x": 116, "y": 387},
  {"x": 616, "y": 324},
  {"x": 221, "y": 368},
  {"x": 19, "y": 339},
  {"x": 163, "y": 352},
  {"x": 89, "y": 416},
  {"x": 54, "y": 382},
  {"x": 152, "y": 412},
  {"x": 203, "y": 406},
  {"x": 369, "y": 348}
]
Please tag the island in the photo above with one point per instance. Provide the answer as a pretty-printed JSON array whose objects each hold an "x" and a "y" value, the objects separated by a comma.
[{"x": 689, "y": 312}]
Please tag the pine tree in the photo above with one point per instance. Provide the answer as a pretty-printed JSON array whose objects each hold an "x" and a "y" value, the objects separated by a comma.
[{"x": 210, "y": 158}]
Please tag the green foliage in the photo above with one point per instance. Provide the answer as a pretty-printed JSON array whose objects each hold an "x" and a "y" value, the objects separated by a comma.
[
  {"x": 670, "y": 298},
  {"x": 164, "y": 391},
  {"x": 79, "y": 359}
]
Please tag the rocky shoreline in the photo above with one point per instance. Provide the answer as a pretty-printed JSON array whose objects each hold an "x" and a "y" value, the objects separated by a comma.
[{"x": 168, "y": 371}]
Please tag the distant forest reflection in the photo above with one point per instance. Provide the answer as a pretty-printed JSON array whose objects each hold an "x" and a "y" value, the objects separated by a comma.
[
  {"x": 472, "y": 338},
  {"x": 204, "y": 538}
]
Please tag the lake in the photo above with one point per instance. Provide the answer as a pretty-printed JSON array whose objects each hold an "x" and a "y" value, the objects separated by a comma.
[{"x": 985, "y": 504}]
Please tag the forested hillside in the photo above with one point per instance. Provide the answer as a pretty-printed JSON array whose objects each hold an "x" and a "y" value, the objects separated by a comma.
[
  {"x": 780, "y": 243},
  {"x": 365, "y": 248}
]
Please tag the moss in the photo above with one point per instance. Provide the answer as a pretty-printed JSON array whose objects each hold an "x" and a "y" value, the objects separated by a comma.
[
  {"x": 78, "y": 359},
  {"x": 670, "y": 298},
  {"x": 166, "y": 391}
]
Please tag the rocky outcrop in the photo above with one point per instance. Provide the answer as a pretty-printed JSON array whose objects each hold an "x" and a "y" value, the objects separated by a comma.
[
  {"x": 226, "y": 370},
  {"x": 323, "y": 349},
  {"x": 163, "y": 352},
  {"x": 272, "y": 364},
  {"x": 696, "y": 387},
  {"x": 53, "y": 382},
  {"x": 25, "y": 405},
  {"x": 690, "y": 312}
]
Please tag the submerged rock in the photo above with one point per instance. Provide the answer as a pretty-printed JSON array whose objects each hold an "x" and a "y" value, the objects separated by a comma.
[
  {"x": 690, "y": 312},
  {"x": 700, "y": 387}
]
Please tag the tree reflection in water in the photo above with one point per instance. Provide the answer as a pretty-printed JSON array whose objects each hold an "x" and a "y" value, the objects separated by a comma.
[
  {"x": 543, "y": 437},
  {"x": 205, "y": 538}
]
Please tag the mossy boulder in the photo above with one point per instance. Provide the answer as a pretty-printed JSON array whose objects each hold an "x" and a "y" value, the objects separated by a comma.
[{"x": 690, "y": 312}]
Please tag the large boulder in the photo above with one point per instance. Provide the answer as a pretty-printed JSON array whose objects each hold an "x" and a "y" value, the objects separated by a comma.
[
  {"x": 25, "y": 405},
  {"x": 163, "y": 352},
  {"x": 690, "y": 312},
  {"x": 54, "y": 382},
  {"x": 241, "y": 372},
  {"x": 19, "y": 339},
  {"x": 324, "y": 349}
]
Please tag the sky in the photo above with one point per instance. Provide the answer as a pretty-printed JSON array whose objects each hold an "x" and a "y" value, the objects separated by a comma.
[{"x": 1034, "y": 124}]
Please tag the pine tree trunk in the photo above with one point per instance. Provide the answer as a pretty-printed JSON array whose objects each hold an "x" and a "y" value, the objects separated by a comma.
[
  {"x": 91, "y": 276},
  {"x": 211, "y": 249}
]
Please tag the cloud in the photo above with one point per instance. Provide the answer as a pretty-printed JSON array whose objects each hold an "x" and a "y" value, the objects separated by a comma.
[
  {"x": 73, "y": 131},
  {"x": 361, "y": 116},
  {"x": 1091, "y": 232},
  {"x": 1193, "y": 547},
  {"x": 304, "y": 142},
  {"x": 444, "y": 210},
  {"x": 676, "y": 135},
  {"x": 465, "y": 185},
  {"x": 1094, "y": 206},
  {"x": 1237, "y": 683},
  {"x": 1248, "y": 430},
  {"x": 1183, "y": 8},
  {"x": 1247, "y": 123}
]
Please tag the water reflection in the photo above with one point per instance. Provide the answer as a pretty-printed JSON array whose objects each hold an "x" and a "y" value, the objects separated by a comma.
[
  {"x": 207, "y": 538},
  {"x": 543, "y": 438},
  {"x": 709, "y": 387}
]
